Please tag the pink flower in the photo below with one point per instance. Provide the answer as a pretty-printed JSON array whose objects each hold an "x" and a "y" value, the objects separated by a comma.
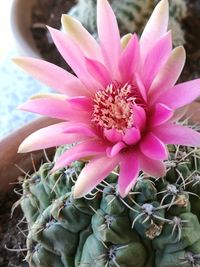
[{"x": 119, "y": 108}]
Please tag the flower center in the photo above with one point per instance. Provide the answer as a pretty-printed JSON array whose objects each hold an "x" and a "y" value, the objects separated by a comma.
[{"x": 113, "y": 107}]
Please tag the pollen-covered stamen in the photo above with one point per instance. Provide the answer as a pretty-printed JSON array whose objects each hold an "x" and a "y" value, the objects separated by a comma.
[{"x": 113, "y": 107}]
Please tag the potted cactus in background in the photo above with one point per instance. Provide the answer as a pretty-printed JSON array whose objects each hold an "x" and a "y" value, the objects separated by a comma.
[
  {"x": 131, "y": 15},
  {"x": 34, "y": 40},
  {"x": 30, "y": 30},
  {"x": 123, "y": 188}
]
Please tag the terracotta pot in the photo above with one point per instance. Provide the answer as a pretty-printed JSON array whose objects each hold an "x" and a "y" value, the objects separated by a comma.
[
  {"x": 9, "y": 157},
  {"x": 20, "y": 19}
]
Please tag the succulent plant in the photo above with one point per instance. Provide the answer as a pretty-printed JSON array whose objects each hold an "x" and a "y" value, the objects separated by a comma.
[{"x": 157, "y": 224}]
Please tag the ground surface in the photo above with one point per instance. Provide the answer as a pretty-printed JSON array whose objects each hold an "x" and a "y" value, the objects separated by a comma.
[{"x": 11, "y": 232}]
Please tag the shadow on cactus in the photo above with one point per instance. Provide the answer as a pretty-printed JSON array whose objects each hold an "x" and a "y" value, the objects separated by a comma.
[{"x": 126, "y": 192}]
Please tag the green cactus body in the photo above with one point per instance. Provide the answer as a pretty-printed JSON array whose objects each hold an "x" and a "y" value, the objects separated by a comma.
[{"x": 156, "y": 225}]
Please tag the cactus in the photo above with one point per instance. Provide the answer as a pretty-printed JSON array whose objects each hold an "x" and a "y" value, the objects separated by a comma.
[
  {"x": 132, "y": 15},
  {"x": 157, "y": 224}
]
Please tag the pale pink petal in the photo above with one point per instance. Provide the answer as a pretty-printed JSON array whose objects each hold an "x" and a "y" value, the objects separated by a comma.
[
  {"x": 139, "y": 117},
  {"x": 81, "y": 128},
  {"x": 155, "y": 58},
  {"x": 56, "y": 108},
  {"x": 74, "y": 57},
  {"x": 93, "y": 173},
  {"x": 49, "y": 96},
  {"x": 140, "y": 86},
  {"x": 115, "y": 149},
  {"x": 82, "y": 37},
  {"x": 129, "y": 59},
  {"x": 53, "y": 76},
  {"x": 109, "y": 36},
  {"x": 177, "y": 134},
  {"x": 125, "y": 40},
  {"x": 129, "y": 170},
  {"x": 153, "y": 147},
  {"x": 80, "y": 102},
  {"x": 152, "y": 167},
  {"x": 161, "y": 114},
  {"x": 99, "y": 72},
  {"x": 132, "y": 136},
  {"x": 113, "y": 135},
  {"x": 181, "y": 94},
  {"x": 155, "y": 27},
  {"x": 168, "y": 74},
  {"x": 69, "y": 50},
  {"x": 85, "y": 149},
  {"x": 50, "y": 136}
]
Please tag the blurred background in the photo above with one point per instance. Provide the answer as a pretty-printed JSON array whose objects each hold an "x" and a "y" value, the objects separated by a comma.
[
  {"x": 6, "y": 35},
  {"x": 15, "y": 85}
]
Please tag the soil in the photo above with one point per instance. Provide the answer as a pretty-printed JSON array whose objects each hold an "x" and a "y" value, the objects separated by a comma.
[
  {"x": 192, "y": 34},
  {"x": 48, "y": 12},
  {"x": 12, "y": 232}
]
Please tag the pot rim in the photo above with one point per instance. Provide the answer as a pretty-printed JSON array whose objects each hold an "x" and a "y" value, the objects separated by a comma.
[
  {"x": 20, "y": 21},
  {"x": 10, "y": 159}
]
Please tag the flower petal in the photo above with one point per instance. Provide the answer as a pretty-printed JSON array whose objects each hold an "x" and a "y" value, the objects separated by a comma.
[
  {"x": 132, "y": 136},
  {"x": 161, "y": 114},
  {"x": 49, "y": 96},
  {"x": 113, "y": 135},
  {"x": 93, "y": 173},
  {"x": 99, "y": 72},
  {"x": 129, "y": 59},
  {"x": 115, "y": 149},
  {"x": 155, "y": 58},
  {"x": 128, "y": 175},
  {"x": 109, "y": 36},
  {"x": 155, "y": 27},
  {"x": 153, "y": 147},
  {"x": 139, "y": 117},
  {"x": 53, "y": 76},
  {"x": 168, "y": 74},
  {"x": 181, "y": 94},
  {"x": 50, "y": 136},
  {"x": 81, "y": 128},
  {"x": 152, "y": 167},
  {"x": 82, "y": 37},
  {"x": 87, "y": 148},
  {"x": 125, "y": 40},
  {"x": 140, "y": 86},
  {"x": 56, "y": 108},
  {"x": 81, "y": 103},
  {"x": 74, "y": 57},
  {"x": 177, "y": 134}
]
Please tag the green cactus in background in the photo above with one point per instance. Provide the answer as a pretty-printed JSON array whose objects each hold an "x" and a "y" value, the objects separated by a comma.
[
  {"x": 132, "y": 15},
  {"x": 156, "y": 225}
]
